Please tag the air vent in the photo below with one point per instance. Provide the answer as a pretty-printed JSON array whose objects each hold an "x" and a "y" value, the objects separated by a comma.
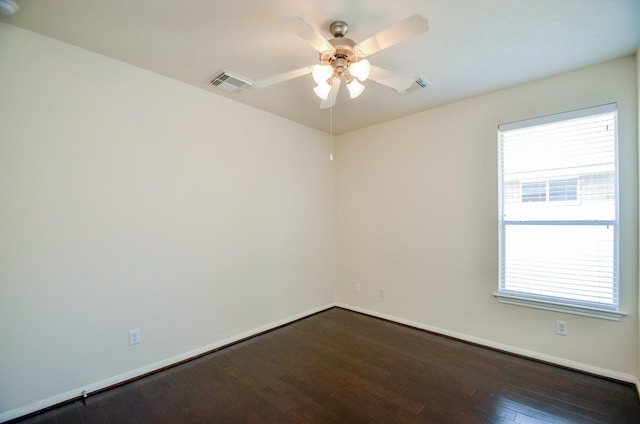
[
  {"x": 420, "y": 82},
  {"x": 233, "y": 83}
]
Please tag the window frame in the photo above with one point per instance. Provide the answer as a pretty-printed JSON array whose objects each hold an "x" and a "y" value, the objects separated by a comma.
[{"x": 559, "y": 304}]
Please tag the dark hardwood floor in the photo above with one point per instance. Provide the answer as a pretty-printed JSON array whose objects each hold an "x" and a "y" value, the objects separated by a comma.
[{"x": 339, "y": 366}]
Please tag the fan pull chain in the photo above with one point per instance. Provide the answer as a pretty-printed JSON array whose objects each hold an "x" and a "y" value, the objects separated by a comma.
[{"x": 331, "y": 133}]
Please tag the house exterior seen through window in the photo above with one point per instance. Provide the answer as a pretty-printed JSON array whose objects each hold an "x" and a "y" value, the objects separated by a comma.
[{"x": 559, "y": 210}]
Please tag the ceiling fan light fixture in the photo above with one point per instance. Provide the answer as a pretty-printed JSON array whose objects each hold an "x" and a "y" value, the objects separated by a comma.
[
  {"x": 321, "y": 73},
  {"x": 355, "y": 88},
  {"x": 8, "y": 7},
  {"x": 341, "y": 58},
  {"x": 322, "y": 90},
  {"x": 360, "y": 69}
]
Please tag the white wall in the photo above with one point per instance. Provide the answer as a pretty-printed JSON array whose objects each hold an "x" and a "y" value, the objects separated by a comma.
[
  {"x": 417, "y": 216},
  {"x": 129, "y": 200}
]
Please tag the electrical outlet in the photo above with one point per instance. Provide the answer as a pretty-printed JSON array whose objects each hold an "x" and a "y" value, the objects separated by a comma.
[
  {"x": 134, "y": 337},
  {"x": 562, "y": 328},
  {"x": 357, "y": 288},
  {"x": 380, "y": 293}
]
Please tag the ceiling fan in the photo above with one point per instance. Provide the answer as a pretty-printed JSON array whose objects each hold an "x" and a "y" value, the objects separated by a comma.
[{"x": 341, "y": 58}]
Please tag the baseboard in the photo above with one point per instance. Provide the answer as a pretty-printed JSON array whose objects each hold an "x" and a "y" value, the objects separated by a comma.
[
  {"x": 174, "y": 360},
  {"x": 590, "y": 369},
  {"x": 148, "y": 369}
]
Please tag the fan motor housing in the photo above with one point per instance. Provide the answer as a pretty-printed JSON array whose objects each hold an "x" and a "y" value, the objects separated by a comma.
[{"x": 344, "y": 50}]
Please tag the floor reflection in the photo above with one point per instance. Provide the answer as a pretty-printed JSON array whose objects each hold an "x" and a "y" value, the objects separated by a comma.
[{"x": 509, "y": 410}]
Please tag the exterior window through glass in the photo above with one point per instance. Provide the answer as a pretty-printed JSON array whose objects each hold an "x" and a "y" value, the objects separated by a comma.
[
  {"x": 534, "y": 192},
  {"x": 563, "y": 190}
]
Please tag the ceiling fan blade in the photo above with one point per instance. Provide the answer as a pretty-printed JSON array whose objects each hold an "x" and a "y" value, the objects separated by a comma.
[
  {"x": 393, "y": 35},
  {"x": 332, "y": 97},
  {"x": 285, "y": 76},
  {"x": 398, "y": 82},
  {"x": 299, "y": 26}
]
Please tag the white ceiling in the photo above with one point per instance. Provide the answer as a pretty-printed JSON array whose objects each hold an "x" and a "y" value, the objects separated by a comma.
[{"x": 472, "y": 47}]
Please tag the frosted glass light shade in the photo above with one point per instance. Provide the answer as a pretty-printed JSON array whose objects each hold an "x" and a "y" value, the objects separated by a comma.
[
  {"x": 355, "y": 88},
  {"x": 360, "y": 69},
  {"x": 322, "y": 90},
  {"x": 321, "y": 73},
  {"x": 8, "y": 7}
]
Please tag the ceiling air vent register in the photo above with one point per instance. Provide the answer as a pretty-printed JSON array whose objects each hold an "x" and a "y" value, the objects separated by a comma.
[
  {"x": 419, "y": 82},
  {"x": 233, "y": 83}
]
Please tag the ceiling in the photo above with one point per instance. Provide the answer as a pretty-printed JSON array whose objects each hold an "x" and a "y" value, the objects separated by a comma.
[{"x": 472, "y": 47}]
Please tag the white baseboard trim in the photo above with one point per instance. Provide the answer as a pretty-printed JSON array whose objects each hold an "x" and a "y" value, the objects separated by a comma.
[
  {"x": 603, "y": 372},
  {"x": 120, "y": 378},
  {"x": 75, "y": 393}
]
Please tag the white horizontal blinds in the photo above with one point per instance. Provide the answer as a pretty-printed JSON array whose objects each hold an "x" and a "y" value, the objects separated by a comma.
[
  {"x": 559, "y": 208},
  {"x": 566, "y": 261}
]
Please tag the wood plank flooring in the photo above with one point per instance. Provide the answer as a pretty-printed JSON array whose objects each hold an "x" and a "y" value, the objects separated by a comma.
[{"x": 339, "y": 366}]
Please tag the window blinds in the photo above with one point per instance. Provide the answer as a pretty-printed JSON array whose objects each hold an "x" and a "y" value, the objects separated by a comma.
[{"x": 558, "y": 207}]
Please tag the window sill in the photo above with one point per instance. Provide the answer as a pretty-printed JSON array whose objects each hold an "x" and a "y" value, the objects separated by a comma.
[{"x": 557, "y": 306}]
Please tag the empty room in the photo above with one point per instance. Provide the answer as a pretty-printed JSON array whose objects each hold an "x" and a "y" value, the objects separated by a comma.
[{"x": 320, "y": 211}]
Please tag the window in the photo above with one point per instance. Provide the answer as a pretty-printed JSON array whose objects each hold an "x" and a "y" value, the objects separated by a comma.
[
  {"x": 563, "y": 190},
  {"x": 559, "y": 212},
  {"x": 551, "y": 191},
  {"x": 534, "y": 192}
]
